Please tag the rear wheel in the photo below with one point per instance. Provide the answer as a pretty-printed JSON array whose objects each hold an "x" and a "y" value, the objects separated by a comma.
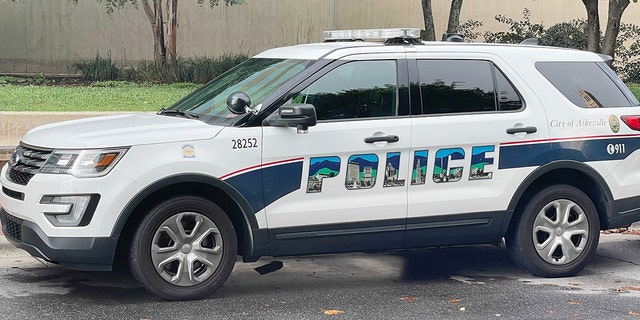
[
  {"x": 557, "y": 232},
  {"x": 184, "y": 249}
]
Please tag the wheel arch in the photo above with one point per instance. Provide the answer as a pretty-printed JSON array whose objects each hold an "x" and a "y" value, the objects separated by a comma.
[
  {"x": 567, "y": 172},
  {"x": 224, "y": 195}
]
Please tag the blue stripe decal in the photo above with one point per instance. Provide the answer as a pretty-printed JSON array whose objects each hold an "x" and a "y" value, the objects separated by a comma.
[
  {"x": 529, "y": 155},
  {"x": 264, "y": 186}
]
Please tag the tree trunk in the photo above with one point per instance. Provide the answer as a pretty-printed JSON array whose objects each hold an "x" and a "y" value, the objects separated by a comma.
[
  {"x": 172, "y": 23},
  {"x": 430, "y": 32},
  {"x": 616, "y": 9},
  {"x": 593, "y": 22},
  {"x": 157, "y": 27},
  {"x": 454, "y": 16}
]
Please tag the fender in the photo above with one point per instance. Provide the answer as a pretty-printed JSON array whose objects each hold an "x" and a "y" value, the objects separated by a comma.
[
  {"x": 250, "y": 222},
  {"x": 551, "y": 166}
]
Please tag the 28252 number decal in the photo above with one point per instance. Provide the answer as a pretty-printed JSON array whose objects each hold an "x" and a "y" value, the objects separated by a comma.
[{"x": 244, "y": 143}]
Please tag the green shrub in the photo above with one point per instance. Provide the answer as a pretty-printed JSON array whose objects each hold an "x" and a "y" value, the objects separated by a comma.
[
  {"x": 627, "y": 59},
  {"x": 518, "y": 30},
  {"x": 180, "y": 70},
  {"x": 97, "y": 69},
  {"x": 572, "y": 34}
]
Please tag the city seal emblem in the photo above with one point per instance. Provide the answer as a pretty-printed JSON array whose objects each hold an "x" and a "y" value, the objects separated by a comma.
[{"x": 614, "y": 123}]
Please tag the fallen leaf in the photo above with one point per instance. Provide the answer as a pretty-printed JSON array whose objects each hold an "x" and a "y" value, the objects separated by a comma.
[
  {"x": 454, "y": 301},
  {"x": 333, "y": 312},
  {"x": 631, "y": 288},
  {"x": 551, "y": 311},
  {"x": 574, "y": 314},
  {"x": 574, "y": 303},
  {"x": 573, "y": 284},
  {"x": 462, "y": 309},
  {"x": 408, "y": 298},
  {"x": 633, "y": 313}
]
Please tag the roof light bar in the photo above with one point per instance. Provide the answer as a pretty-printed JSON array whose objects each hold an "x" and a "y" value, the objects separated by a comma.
[{"x": 371, "y": 34}]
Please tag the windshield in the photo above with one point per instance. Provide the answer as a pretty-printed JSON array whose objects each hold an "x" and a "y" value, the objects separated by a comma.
[{"x": 258, "y": 78}]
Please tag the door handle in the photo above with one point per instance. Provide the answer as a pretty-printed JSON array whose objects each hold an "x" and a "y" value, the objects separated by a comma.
[
  {"x": 522, "y": 129},
  {"x": 391, "y": 138}
]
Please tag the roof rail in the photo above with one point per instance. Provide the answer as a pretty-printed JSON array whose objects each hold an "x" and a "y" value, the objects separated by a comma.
[{"x": 530, "y": 41}]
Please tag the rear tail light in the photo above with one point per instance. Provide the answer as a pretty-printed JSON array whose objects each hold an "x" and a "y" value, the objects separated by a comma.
[{"x": 632, "y": 122}]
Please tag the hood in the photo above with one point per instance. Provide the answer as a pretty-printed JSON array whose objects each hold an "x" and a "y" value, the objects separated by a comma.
[{"x": 119, "y": 130}]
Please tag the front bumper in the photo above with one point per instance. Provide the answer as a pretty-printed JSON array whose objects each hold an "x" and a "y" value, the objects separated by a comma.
[{"x": 86, "y": 253}]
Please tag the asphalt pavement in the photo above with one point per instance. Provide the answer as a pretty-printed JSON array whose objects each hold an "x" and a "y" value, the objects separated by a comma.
[{"x": 475, "y": 282}]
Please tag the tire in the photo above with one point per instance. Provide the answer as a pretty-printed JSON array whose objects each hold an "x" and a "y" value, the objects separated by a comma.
[
  {"x": 543, "y": 244},
  {"x": 184, "y": 249}
]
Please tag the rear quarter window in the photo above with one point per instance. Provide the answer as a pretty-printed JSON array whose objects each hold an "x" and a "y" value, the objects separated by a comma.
[{"x": 587, "y": 84}]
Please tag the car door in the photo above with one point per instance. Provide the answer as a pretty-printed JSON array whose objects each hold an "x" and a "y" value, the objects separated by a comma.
[
  {"x": 473, "y": 106},
  {"x": 350, "y": 186}
]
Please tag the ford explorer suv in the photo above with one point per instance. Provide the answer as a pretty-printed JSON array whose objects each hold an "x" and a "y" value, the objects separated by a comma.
[{"x": 339, "y": 146}]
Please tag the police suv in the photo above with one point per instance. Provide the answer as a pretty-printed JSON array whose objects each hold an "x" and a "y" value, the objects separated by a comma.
[{"x": 338, "y": 147}]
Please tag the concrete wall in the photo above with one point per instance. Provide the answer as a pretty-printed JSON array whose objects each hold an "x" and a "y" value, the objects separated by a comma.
[{"x": 47, "y": 35}]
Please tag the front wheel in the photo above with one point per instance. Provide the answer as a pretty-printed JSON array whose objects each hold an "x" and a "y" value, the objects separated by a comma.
[
  {"x": 556, "y": 234},
  {"x": 184, "y": 249}
]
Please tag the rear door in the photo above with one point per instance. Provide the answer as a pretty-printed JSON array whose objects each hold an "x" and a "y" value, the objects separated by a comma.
[{"x": 468, "y": 107}]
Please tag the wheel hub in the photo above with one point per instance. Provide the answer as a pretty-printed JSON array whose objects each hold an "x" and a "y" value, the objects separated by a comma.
[
  {"x": 187, "y": 249},
  {"x": 560, "y": 232}
]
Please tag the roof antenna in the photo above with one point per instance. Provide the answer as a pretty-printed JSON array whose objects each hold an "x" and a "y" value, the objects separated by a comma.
[
  {"x": 530, "y": 41},
  {"x": 452, "y": 37}
]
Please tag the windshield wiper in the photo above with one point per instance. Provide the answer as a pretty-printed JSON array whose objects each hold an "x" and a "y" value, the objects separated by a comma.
[{"x": 181, "y": 113}]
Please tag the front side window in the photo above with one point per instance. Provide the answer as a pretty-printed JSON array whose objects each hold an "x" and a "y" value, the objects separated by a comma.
[
  {"x": 587, "y": 84},
  {"x": 358, "y": 89},
  {"x": 462, "y": 86},
  {"x": 258, "y": 78}
]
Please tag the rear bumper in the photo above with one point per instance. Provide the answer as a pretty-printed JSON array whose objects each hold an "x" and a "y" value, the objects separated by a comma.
[
  {"x": 95, "y": 254},
  {"x": 624, "y": 212}
]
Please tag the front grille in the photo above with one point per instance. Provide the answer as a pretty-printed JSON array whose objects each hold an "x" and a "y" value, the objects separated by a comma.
[
  {"x": 28, "y": 161},
  {"x": 19, "y": 177},
  {"x": 11, "y": 225}
]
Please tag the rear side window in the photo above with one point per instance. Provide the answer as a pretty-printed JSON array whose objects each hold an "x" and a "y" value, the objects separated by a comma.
[
  {"x": 587, "y": 84},
  {"x": 463, "y": 86}
]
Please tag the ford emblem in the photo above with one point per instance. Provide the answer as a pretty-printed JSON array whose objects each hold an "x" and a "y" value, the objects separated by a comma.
[{"x": 15, "y": 158}]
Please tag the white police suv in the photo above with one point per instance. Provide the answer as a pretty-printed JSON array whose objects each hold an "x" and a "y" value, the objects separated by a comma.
[{"x": 336, "y": 147}]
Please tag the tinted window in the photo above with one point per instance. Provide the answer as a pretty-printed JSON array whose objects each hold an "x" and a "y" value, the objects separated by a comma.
[
  {"x": 451, "y": 86},
  {"x": 508, "y": 98},
  {"x": 586, "y": 84},
  {"x": 256, "y": 77},
  {"x": 358, "y": 89}
]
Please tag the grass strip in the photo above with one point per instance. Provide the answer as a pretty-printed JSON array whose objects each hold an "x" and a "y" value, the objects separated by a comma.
[{"x": 91, "y": 98}]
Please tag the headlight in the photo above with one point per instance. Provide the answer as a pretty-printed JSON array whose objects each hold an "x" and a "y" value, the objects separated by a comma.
[{"x": 83, "y": 163}]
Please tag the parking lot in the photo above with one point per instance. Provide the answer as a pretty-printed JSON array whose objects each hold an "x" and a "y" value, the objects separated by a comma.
[{"x": 478, "y": 282}]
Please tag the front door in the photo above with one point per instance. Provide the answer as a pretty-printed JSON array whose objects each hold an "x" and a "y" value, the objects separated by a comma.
[{"x": 351, "y": 192}]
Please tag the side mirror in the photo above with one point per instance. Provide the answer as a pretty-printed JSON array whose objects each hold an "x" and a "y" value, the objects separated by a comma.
[
  {"x": 301, "y": 116},
  {"x": 239, "y": 103}
]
